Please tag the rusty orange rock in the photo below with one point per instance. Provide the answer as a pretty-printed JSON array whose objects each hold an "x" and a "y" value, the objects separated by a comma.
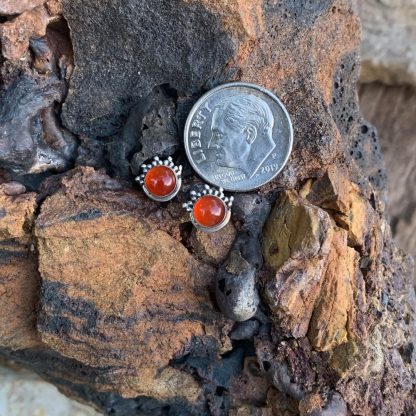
[
  {"x": 19, "y": 279},
  {"x": 329, "y": 323},
  {"x": 16, "y": 214},
  {"x": 125, "y": 304},
  {"x": 13, "y": 7},
  {"x": 111, "y": 273},
  {"x": 326, "y": 295},
  {"x": 350, "y": 209},
  {"x": 15, "y": 35},
  {"x": 213, "y": 247},
  {"x": 297, "y": 241}
]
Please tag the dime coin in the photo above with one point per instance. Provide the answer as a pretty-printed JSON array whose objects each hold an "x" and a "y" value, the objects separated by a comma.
[{"x": 238, "y": 136}]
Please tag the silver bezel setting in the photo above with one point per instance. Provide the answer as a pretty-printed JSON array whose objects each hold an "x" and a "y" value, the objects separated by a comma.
[
  {"x": 219, "y": 193},
  {"x": 177, "y": 170}
]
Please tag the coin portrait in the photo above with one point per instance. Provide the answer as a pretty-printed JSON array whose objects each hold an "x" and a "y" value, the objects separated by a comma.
[
  {"x": 242, "y": 132},
  {"x": 238, "y": 136}
]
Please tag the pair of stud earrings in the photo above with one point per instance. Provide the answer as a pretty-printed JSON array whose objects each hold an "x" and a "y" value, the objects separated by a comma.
[{"x": 210, "y": 209}]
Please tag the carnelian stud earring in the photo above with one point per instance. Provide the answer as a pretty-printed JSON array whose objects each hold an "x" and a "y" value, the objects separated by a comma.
[
  {"x": 161, "y": 179},
  {"x": 210, "y": 209}
]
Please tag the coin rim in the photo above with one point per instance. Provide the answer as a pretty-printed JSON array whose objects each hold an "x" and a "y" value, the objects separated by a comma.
[{"x": 205, "y": 97}]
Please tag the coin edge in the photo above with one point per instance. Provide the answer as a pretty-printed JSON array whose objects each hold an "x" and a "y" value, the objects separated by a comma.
[{"x": 213, "y": 91}]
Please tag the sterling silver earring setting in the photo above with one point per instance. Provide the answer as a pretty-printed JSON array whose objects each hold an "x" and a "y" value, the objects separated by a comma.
[
  {"x": 210, "y": 209},
  {"x": 161, "y": 179}
]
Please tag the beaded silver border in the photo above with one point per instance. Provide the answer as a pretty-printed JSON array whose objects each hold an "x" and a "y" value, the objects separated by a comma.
[
  {"x": 177, "y": 170},
  {"x": 219, "y": 193}
]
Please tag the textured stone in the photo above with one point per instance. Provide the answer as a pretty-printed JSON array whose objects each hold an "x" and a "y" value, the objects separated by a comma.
[
  {"x": 328, "y": 327},
  {"x": 383, "y": 358},
  {"x": 13, "y": 188},
  {"x": 331, "y": 191},
  {"x": 18, "y": 6},
  {"x": 289, "y": 364},
  {"x": 213, "y": 247},
  {"x": 181, "y": 40},
  {"x": 349, "y": 207},
  {"x": 19, "y": 280},
  {"x": 388, "y": 49},
  {"x": 110, "y": 274},
  {"x": 392, "y": 111},
  {"x": 126, "y": 310},
  {"x": 236, "y": 289},
  {"x": 334, "y": 406},
  {"x": 250, "y": 385},
  {"x": 245, "y": 330},
  {"x": 17, "y": 214},
  {"x": 32, "y": 139},
  {"x": 345, "y": 358},
  {"x": 296, "y": 245},
  {"x": 242, "y": 46},
  {"x": 29, "y": 118},
  {"x": 15, "y": 35},
  {"x": 24, "y": 393},
  {"x": 154, "y": 120}
]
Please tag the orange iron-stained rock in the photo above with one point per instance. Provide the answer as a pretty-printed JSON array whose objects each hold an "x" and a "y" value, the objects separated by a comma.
[
  {"x": 209, "y": 211},
  {"x": 160, "y": 181}
]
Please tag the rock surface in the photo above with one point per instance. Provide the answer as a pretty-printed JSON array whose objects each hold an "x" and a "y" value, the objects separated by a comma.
[
  {"x": 24, "y": 393},
  {"x": 19, "y": 279},
  {"x": 388, "y": 48},
  {"x": 12, "y": 7},
  {"x": 392, "y": 109},
  {"x": 119, "y": 302},
  {"x": 111, "y": 272},
  {"x": 297, "y": 239},
  {"x": 37, "y": 62}
]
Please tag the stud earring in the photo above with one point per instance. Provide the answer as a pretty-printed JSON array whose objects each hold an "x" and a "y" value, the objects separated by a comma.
[
  {"x": 161, "y": 179},
  {"x": 210, "y": 209}
]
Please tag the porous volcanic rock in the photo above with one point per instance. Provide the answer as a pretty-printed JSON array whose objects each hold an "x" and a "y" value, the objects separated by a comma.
[{"x": 135, "y": 312}]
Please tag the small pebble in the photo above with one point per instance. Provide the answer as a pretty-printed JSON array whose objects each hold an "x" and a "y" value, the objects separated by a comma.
[{"x": 13, "y": 188}]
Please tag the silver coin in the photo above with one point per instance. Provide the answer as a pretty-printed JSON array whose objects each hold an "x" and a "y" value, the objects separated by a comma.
[{"x": 238, "y": 136}]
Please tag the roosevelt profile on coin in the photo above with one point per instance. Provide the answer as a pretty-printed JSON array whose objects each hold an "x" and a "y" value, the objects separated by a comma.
[
  {"x": 241, "y": 130},
  {"x": 238, "y": 136}
]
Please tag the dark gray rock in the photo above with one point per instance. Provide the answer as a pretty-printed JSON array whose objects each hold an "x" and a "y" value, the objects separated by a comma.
[
  {"x": 306, "y": 11},
  {"x": 124, "y": 48},
  {"x": 236, "y": 290},
  {"x": 31, "y": 140},
  {"x": 360, "y": 138},
  {"x": 149, "y": 130},
  {"x": 156, "y": 128},
  {"x": 245, "y": 330},
  {"x": 90, "y": 152}
]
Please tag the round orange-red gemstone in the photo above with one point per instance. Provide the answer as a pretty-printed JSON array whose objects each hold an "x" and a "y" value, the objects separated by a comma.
[
  {"x": 160, "y": 181},
  {"x": 209, "y": 211}
]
